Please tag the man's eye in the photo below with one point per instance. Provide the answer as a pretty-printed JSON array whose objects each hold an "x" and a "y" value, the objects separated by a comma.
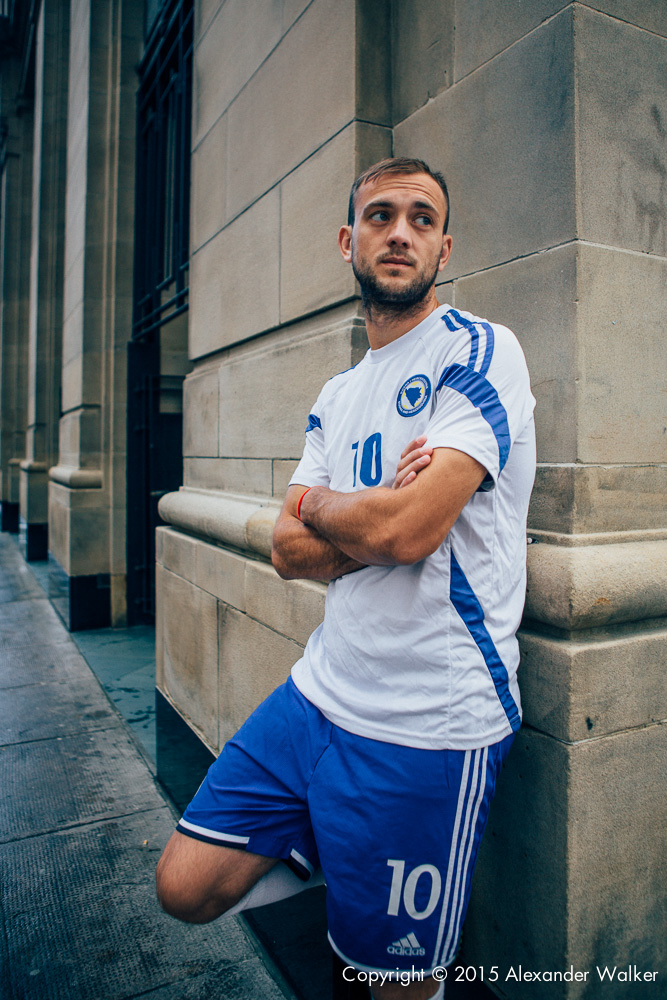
[
  {"x": 424, "y": 220},
  {"x": 379, "y": 216}
]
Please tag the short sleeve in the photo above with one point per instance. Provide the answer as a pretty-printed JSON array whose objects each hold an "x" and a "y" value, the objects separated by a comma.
[
  {"x": 312, "y": 469},
  {"x": 480, "y": 414}
]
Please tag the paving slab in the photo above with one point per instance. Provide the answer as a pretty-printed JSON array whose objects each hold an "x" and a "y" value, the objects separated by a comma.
[
  {"x": 98, "y": 932},
  {"x": 58, "y": 782},
  {"x": 60, "y": 708},
  {"x": 40, "y": 664},
  {"x": 82, "y": 825},
  {"x": 29, "y": 622}
]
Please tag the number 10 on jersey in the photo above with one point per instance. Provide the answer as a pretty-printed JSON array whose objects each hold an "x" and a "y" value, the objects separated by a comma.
[{"x": 370, "y": 469}]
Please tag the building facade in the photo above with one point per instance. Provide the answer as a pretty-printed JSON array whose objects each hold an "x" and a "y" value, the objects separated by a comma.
[{"x": 173, "y": 180}]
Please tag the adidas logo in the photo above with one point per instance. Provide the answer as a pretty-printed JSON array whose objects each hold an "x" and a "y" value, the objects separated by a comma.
[{"x": 409, "y": 946}]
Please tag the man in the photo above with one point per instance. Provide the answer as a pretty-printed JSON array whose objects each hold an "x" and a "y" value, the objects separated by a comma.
[{"x": 377, "y": 760}]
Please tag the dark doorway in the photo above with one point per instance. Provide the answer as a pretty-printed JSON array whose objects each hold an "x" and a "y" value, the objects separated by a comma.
[{"x": 157, "y": 352}]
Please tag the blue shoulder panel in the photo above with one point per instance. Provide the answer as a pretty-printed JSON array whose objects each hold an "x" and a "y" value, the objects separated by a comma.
[{"x": 481, "y": 394}]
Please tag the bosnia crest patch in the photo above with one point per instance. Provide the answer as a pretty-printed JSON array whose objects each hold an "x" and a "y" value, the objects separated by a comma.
[{"x": 413, "y": 395}]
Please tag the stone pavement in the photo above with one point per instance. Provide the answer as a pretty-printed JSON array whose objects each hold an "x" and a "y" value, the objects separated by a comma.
[{"x": 82, "y": 823}]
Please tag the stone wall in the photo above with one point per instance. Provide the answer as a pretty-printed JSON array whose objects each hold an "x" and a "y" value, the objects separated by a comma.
[{"x": 548, "y": 121}]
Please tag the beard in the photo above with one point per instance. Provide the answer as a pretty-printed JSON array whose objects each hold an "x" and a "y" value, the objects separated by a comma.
[{"x": 387, "y": 298}]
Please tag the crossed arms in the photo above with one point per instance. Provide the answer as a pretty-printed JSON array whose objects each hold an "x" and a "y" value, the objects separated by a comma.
[{"x": 342, "y": 532}]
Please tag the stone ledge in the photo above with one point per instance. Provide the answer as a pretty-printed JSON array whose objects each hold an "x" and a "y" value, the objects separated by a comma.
[
  {"x": 75, "y": 478},
  {"x": 229, "y": 519},
  {"x": 589, "y": 586},
  {"x": 569, "y": 586}
]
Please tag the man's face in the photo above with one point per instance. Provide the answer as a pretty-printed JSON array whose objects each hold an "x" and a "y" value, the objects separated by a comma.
[{"x": 396, "y": 246}]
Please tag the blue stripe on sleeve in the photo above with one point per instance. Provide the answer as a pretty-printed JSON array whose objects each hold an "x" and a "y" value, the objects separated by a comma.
[
  {"x": 464, "y": 600},
  {"x": 313, "y": 422},
  {"x": 488, "y": 350},
  {"x": 481, "y": 394},
  {"x": 470, "y": 327}
]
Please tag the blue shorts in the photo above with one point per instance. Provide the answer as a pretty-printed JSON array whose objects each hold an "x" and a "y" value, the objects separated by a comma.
[{"x": 396, "y": 829}]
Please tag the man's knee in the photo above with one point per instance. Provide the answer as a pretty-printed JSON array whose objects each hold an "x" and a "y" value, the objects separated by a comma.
[
  {"x": 197, "y": 881},
  {"x": 181, "y": 897},
  {"x": 186, "y": 886}
]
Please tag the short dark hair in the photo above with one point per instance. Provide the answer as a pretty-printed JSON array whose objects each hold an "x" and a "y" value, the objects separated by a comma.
[{"x": 397, "y": 165}]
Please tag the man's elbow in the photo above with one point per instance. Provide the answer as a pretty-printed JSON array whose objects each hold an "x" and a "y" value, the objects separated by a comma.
[
  {"x": 404, "y": 548},
  {"x": 280, "y": 563}
]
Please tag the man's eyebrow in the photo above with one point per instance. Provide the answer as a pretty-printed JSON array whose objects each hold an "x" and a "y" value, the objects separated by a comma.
[
  {"x": 377, "y": 204},
  {"x": 380, "y": 203},
  {"x": 427, "y": 205}
]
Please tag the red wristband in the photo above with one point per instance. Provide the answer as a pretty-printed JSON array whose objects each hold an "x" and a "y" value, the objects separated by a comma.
[{"x": 298, "y": 506}]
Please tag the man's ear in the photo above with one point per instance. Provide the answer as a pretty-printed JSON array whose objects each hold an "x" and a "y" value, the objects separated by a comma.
[
  {"x": 345, "y": 242},
  {"x": 445, "y": 252}
]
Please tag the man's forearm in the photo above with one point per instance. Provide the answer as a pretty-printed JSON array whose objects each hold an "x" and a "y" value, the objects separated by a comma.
[
  {"x": 389, "y": 527},
  {"x": 300, "y": 553},
  {"x": 363, "y": 525}
]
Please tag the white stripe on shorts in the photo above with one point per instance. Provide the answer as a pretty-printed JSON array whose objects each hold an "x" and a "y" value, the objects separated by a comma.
[
  {"x": 302, "y": 861},
  {"x": 452, "y": 857},
  {"x": 229, "y": 838},
  {"x": 457, "y": 906}
]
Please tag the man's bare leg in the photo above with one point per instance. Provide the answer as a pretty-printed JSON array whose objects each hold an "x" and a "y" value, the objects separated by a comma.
[
  {"x": 197, "y": 881},
  {"x": 416, "y": 990}
]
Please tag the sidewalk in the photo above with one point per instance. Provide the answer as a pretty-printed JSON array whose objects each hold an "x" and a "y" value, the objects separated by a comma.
[{"x": 82, "y": 825}]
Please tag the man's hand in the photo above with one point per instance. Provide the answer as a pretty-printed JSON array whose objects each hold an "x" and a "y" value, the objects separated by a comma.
[{"x": 414, "y": 458}]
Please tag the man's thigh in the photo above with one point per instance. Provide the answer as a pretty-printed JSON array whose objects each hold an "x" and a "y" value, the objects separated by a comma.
[{"x": 397, "y": 831}]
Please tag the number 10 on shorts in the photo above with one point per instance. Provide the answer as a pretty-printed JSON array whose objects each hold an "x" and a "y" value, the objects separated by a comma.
[{"x": 404, "y": 889}]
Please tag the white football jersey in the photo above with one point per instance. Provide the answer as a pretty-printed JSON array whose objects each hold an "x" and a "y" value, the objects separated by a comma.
[{"x": 426, "y": 655}]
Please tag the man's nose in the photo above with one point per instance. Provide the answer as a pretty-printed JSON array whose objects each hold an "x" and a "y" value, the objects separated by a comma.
[{"x": 399, "y": 233}]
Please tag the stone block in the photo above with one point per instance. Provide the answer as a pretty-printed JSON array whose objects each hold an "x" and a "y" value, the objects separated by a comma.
[
  {"x": 536, "y": 297},
  {"x": 200, "y": 414},
  {"x": 251, "y": 477},
  {"x": 622, "y": 384},
  {"x": 177, "y": 553},
  {"x": 222, "y": 573},
  {"x": 234, "y": 291},
  {"x": 621, "y": 133},
  {"x": 592, "y": 354},
  {"x": 79, "y": 531},
  {"x": 283, "y": 470},
  {"x": 34, "y": 493},
  {"x": 572, "y": 867},
  {"x": 254, "y": 660},
  {"x": 72, "y": 382},
  {"x": 617, "y": 878},
  {"x": 208, "y": 190},
  {"x": 575, "y": 689},
  {"x": 205, "y": 11},
  {"x": 649, "y": 14},
  {"x": 591, "y": 586},
  {"x": 504, "y": 139},
  {"x": 188, "y": 677},
  {"x": 484, "y": 29},
  {"x": 79, "y": 438},
  {"x": 313, "y": 274},
  {"x": 234, "y": 45},
  {"x": 518, "y": 909},
  {"x": 422, "y": 52},
  {"x": 266, "y": 394},
  {"x": 292, "y": 607},
  {"x": 293, "y": 104},
  {"x": 291, "y": 10},
  {"x": 584, "y": 499}
]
